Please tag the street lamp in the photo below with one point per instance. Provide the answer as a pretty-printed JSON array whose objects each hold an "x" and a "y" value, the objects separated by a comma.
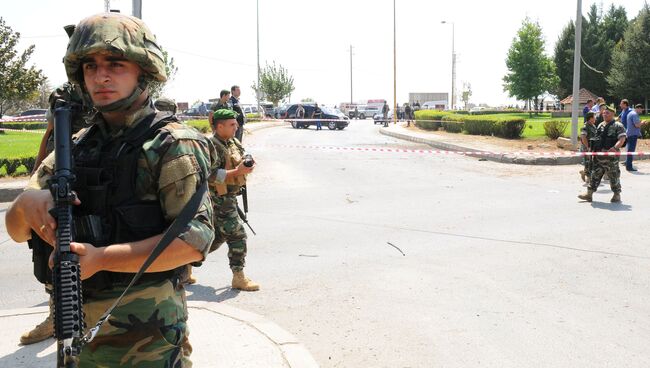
[
  {"x": 394, "y": 66},
  {"x": 453, "y": 65}
]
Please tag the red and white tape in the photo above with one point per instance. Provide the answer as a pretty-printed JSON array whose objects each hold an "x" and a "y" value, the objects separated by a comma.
[
  {"x": 20, "y": 119},
  {"x": 442, "y": 152}
]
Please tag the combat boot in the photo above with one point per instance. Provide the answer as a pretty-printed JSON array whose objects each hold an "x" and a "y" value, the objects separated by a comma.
[
  {"x": 583, "y": 175},
  {"x": 42, "y": 331},
  {"x": 616, "y": 198},
  {"x": 241, "y": 282},
  {"x": 587, "y": 196},
  {"x": 191, "y": 279}
]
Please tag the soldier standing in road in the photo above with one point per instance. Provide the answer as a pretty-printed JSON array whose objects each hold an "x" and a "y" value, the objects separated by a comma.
[
  {"x": 384, "y": 112},
  {"x": 586, "y": 134},
  {"x": 165, "y": 104},
  {"x": 236, "y": 107},
  {"x": 407, "y": 113},
  {"x": 225, "y": 184},
  {"x": 155, "y": 165},
  {"x": 610, "y": 137}
]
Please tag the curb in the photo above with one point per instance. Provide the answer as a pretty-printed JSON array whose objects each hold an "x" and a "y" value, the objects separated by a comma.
[
  {"x": 293, "y": 352},
  {"x": 505, "y": 158}
]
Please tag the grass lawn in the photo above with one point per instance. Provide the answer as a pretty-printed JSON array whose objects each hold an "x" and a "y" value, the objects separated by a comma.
[{"x": 19, "y": 144}]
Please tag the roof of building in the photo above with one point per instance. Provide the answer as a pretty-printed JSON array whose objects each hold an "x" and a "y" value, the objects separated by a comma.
[{"x": 583, "y": 96}]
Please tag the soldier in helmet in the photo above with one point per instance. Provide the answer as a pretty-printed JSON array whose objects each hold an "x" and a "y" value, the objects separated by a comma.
[
  {"x": 135, "y": 171},
  {"x": 165, "y": 104},
  {"x": 225, "y": 185},
  {"x": 609, "y": 137}
]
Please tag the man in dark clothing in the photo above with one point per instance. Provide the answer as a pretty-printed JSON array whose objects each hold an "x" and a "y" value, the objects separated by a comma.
[
  {"x": 317, "y": 114},
  {"x": 222, "y": 103},
  {"x": 241, "y": 117}
]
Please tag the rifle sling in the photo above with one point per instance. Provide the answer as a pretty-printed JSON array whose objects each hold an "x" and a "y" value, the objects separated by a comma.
[{"x": 177, "y": 226}]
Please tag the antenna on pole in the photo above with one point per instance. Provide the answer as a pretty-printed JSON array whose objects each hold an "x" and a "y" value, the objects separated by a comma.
[{"x": 107, "y": 6}]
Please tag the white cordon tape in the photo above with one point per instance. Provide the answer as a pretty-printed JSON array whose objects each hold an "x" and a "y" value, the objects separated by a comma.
[
  {"x": 39, "y": 118},
  {"x": 465, "y": 153}
]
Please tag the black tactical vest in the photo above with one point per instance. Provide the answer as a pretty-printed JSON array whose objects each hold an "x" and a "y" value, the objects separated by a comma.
[{"x": 110, "y": 211}]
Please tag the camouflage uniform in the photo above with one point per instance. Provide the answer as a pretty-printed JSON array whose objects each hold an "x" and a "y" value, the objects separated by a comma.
[
  {"x": 149, "y": 328},
  {"x": 610, "y": 132},
  {"x": 229, "y": 227},
  {"x": 588, "y": 131}
]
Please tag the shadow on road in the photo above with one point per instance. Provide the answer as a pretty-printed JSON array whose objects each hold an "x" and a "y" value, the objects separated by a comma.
[
  {"x": 29, "y": 355},
  {"x": 615, "y": 207},
  {"x": 210, "y": 294}
]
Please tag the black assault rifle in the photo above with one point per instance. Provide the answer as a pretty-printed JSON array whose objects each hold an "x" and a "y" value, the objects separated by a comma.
[
  {"x": 242, "y": 214},
  {"x": 66, "y": 275}
]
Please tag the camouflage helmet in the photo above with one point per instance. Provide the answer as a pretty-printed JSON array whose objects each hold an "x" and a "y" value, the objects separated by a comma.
[
  {"x": 165, "y": 104},
  {"x": 118, "y": 34}
]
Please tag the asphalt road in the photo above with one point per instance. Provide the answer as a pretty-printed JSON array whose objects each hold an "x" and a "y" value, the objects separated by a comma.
[{"x": 387, "y": 259}]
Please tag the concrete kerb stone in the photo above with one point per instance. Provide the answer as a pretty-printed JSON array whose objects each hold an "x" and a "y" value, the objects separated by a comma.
[
  {"x": 294, "y": 354},
  {"x": 502, "y": 158}
]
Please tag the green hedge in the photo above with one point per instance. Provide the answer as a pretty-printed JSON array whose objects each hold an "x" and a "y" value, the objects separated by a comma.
[
  {"x": 554, "y": 129},
  {"x": 11, "y": 165},
  {"x": 494, "y": 112},
  {"x": 645, "y": 131},
  {"x": 452, "y": 124},
  {"x": 27, "y": 125},
  {"x": 457, "y": 122}
]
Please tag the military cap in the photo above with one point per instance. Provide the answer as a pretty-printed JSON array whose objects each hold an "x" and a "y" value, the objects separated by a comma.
[
  {"x": 610, "y": 108},
  {"x": 224, "y": 114}
]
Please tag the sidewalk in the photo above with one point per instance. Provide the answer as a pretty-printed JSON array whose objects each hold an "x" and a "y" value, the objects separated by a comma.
[
  {"x": 221, "y": 336},
  {"x": 491, "y": 152}
]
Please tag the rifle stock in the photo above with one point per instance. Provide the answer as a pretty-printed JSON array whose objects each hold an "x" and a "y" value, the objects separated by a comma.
[{"x": 66, "y": 274}]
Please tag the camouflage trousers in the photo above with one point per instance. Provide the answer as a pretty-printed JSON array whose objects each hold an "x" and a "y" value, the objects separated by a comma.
[
  {"x": 149, "y": 328},
  {"x": 602, "y": 165},
  {"x": 229, "y": 229}
]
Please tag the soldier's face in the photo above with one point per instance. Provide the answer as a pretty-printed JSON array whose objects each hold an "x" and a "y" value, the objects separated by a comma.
[
  {"x": 236, "y": 92},
  {"x": 608, "y": 115},
  {"x": 227, "y": 128},
  {"x": 109, "y": 78}
]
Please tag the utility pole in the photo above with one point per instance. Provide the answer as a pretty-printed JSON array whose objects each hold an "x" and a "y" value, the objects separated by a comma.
[
  {"x": 257, "y": 93},
  {"x": 452, "y": 101},
  {"x": 575, "y": 104},
  {"x": 394, "y": 65},
  {"x": 107, "y": 6},
  {"x": 351, "y": 100},
  {"x": 137, "y": 8}
]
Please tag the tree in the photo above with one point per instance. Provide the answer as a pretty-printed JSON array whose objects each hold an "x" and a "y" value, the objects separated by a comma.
[
  {"x": 600, "y": 34},
  {"x": 17, "y": 82},
  {"x": 531, "y": 72},
  {"x": 630, "y": 73},
  {"x": 467, "y": 93},
  {"x": 275, "y": 83},
  {"x": 307, "y": 100},
  {"x": 156, "y": 88}
]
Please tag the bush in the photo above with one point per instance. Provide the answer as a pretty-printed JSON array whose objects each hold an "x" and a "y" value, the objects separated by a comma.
[
  {"x": 479, "y": 126},
  {"x": 494, "y": 112},
  {"x": 645, "y": 131},
  {"x": 428, "y": 125},
  {"x": 509, "y": 128},
  {"x": 11, "y": 165},
  {"x": 554, "y": 129},
  {"x": 452, "y": 124},
  {"x": 28, "y": 125}
]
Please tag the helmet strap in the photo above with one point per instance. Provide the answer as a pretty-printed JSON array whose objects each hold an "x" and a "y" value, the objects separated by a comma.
[{"x": 125, "y": 103}]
